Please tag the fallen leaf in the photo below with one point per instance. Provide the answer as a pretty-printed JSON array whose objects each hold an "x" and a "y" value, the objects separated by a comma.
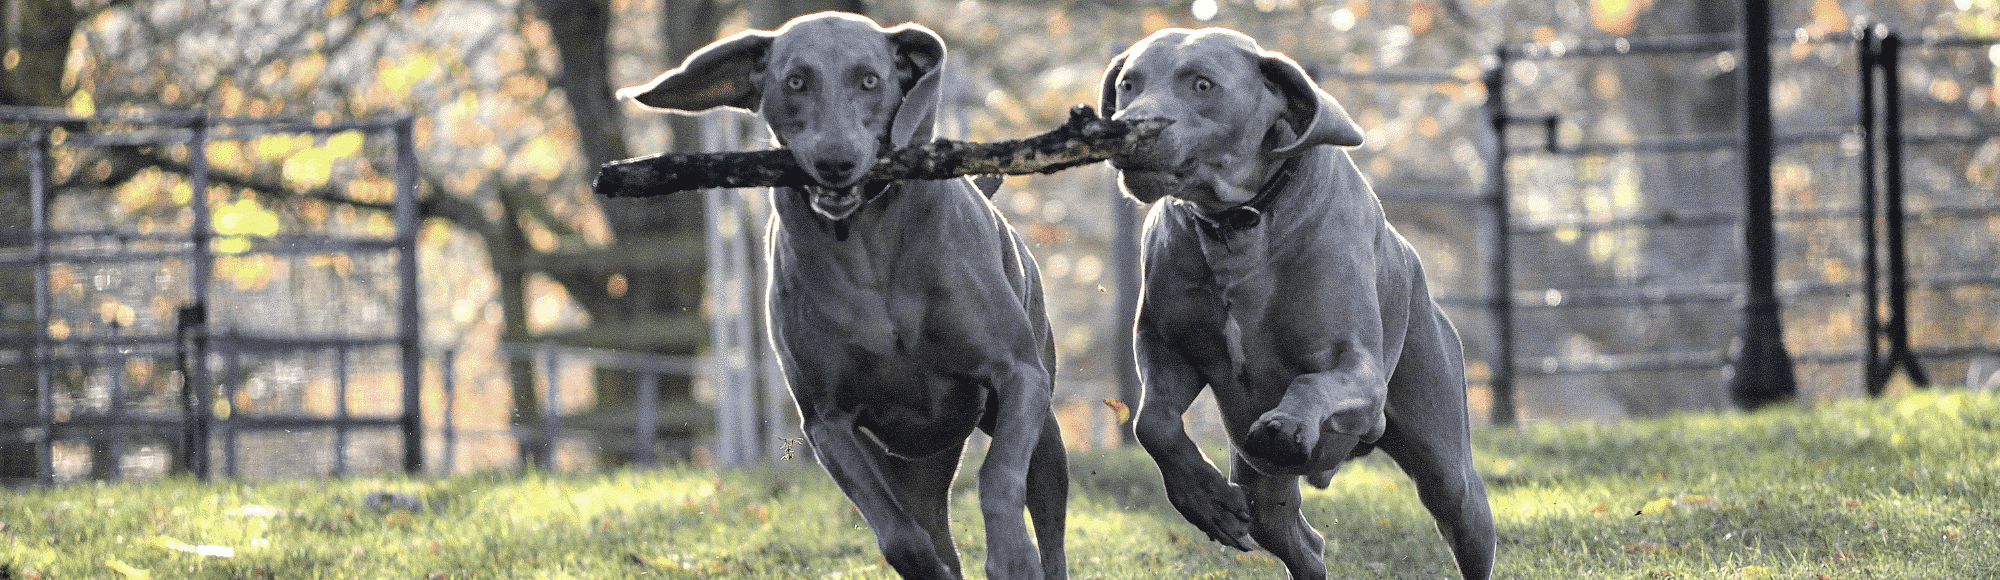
[
  {"x": 255, "y": 511},
  {"x": 1119, "y": 410},
  {"x": 170, "y": 544},
  {"x": 1656, "y": 506},
  {"x": 127, "y": 569},
  {"x": 1647, "y": 548}
]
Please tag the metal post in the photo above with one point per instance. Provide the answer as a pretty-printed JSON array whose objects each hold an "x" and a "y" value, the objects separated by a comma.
[
  {"x": 646, "y": 432},
  {"x": 448, "y": 382},
  {"x": 1762, "y": 372},
  {"x": 1872, "y": 375},
  {"x": 1893, "y": 217},
  {"x": 232, "y": 377},
  {"x": 780, "y": 424},
  {"x": 342, "y": 418},
  {"x": 409, "y": 322},
  {"x": 730, "y": 319},
  {"x": 551, "y": 409},
  {"x": 109, "y": 453},
  {"x": 198, "y": 398},
  {"x": 1499, "y": 241},
  {"x": 38, "y": 193}
]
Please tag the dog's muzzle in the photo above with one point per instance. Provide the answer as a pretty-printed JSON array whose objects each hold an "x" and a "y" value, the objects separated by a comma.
[{"x": 1145, "y": 183}]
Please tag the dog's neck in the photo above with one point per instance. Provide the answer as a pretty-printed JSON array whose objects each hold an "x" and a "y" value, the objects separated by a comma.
[{"x": 1221, "y": 222}]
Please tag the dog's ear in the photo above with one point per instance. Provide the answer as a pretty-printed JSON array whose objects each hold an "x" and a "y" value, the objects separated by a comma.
[
  {"x": 920, "y": 55},
  {"x": 1107, "y": 93},
  {"x": 722, "y": 74},
  {"x": 1314, "y": 116}
]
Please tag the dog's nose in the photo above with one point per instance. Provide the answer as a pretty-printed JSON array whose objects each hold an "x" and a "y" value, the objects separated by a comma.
[
  {"x": 834, "y": 168},
  {"x": 835, "y": 172}
]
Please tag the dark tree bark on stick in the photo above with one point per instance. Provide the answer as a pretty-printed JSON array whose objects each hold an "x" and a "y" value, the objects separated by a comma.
[{"x": 1086, "y": 138}]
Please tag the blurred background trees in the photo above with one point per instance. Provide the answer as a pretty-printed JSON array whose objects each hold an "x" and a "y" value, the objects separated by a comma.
[{"x": 514, "y": 111}]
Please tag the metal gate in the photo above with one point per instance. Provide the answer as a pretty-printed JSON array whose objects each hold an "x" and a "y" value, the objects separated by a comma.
[{"x": 181, "y": 307}]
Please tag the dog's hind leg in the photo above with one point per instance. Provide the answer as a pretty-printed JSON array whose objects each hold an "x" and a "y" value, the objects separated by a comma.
[
  {"x": 1048, "y": 498},
  {"x": 1020, "y": 415},
  {"x": 1451, "y": 490},
  {"x": 1275, "y": 520},
  {"x": 1429, "y": 437}
]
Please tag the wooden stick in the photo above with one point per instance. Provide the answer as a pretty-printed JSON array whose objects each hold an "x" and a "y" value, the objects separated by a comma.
[{"x": 1084, "y": 139}]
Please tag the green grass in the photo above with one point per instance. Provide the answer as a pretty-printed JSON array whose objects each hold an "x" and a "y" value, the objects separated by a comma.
[{"x": 1900, "y": 488}]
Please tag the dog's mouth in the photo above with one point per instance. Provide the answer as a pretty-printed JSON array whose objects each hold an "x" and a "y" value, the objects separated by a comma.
[
  {"x": 836, "y": 203},
  {"x": 1152, "y": 173},
  {"x": 1156, "y": 168}
]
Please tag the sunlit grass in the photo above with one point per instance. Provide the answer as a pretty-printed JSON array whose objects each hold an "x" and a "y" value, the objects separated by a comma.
[{"x": 1900, "y": 488}]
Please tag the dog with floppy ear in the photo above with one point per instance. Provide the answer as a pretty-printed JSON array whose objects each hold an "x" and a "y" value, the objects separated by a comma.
[
  {"x": 1273, "y": 280},
  {"x": 905, "y": 314}
]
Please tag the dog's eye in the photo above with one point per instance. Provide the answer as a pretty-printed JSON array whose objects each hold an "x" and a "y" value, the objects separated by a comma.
[
  {"x": 1203, "y": 84},
  {"x": 795, "y": 82},
  {"x": 1124, "y": 86},
  {"x": 870, "y": 81}
]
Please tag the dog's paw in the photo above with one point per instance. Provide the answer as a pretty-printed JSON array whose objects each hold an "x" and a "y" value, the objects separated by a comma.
[
  {"x": 1214, "y": 505},
  {"x": 1281, "y": 438}
]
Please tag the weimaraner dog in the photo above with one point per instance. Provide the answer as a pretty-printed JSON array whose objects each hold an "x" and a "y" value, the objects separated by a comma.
[
  {"x": 905, "y": 314},
  {"x": 1273, "y": 279}
]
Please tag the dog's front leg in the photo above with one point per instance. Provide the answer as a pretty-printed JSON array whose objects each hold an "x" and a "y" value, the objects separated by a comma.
[
  {"x": 1003, "y": 478},
  {"x": 1345, "y": 401},
  {"x": 862, "y": 471},
  {"x": 1194, "y": 486}
]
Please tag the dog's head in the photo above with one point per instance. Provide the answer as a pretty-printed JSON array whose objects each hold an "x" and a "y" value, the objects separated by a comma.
[
  {"x": 834, "y": 88},
  {"x": 1236, "y": 109}
]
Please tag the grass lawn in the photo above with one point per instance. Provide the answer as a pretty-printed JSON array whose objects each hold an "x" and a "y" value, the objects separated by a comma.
[{"x": 1907, "y": 487}]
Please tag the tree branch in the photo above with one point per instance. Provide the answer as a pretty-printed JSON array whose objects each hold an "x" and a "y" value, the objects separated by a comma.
[
  {"x": 438, "y": 204},
  {"x": 1086, "y": 138}
]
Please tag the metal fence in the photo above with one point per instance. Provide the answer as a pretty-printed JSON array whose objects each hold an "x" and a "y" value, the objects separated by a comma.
[
  {"x": 1875, "y": 266},
  {"x": 142, "y": 332},
  {"x": 1845, "y": 211},
  {"x": 146, "y": 336},
  {"x": 565, "y": 378}
]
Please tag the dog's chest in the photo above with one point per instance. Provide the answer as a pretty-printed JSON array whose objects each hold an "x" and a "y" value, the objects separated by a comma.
[
  {"x": 1235, "y": 260},
  {"x": 1235, "y": 255}
]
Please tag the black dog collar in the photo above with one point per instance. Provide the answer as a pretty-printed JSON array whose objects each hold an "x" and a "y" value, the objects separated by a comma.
[{"x": 1250, "y": 213}]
